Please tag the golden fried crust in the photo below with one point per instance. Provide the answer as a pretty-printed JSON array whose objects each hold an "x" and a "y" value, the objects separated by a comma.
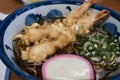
[{"x": 47, "y": 38}]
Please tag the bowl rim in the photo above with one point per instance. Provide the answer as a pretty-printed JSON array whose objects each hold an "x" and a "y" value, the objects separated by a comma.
[{"x": 23, "y": 9}]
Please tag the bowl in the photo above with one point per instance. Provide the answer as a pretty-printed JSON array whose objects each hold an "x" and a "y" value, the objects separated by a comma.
[{"x": 26, "y": 15}]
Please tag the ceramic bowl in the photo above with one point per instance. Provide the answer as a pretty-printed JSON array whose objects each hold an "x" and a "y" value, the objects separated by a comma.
[{"x": 26, "y": 15}]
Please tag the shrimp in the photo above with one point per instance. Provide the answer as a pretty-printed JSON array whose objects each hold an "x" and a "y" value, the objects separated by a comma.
[
  {"x": 44, "y": 48},
  {"x": 75, "y": 14},
  {"x": 33, "y": 33},
  {"x": 57, "y": 35}
]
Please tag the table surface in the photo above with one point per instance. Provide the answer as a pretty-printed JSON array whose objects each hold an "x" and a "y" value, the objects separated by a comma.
[{"x": 8, "y": 6}]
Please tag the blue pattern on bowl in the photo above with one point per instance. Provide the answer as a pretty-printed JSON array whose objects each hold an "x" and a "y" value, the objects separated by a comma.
[
  {"x": 69, "y": 8},
  {"x": 54, "y": 13},
  {"x": 6, "y": 48},
  {"x": 111, "y": 28},
  {"x": 116, "y": 77},
  {"x": 32, "y": 18}
]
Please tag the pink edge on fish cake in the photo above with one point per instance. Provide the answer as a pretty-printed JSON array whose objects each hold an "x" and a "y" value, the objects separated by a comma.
[{"x": 69, "y": 56}]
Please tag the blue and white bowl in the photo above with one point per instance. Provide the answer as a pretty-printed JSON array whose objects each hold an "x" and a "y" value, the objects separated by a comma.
[{"x": 16, "y": 21}]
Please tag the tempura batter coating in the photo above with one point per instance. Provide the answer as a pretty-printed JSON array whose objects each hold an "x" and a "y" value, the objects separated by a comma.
[{"x": 47, "y": 38}]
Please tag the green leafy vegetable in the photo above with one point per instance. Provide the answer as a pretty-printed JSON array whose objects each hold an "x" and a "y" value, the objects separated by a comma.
[{"x": 102, "y": 50}]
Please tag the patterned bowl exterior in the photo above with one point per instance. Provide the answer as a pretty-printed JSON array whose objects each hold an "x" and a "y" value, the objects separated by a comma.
[{"x": 26, "y": 15}]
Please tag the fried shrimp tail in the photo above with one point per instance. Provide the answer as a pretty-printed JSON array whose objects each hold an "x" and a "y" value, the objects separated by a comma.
[
  {"x": 78, "y": 12},
  {"x": 101, "y": 16}
]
